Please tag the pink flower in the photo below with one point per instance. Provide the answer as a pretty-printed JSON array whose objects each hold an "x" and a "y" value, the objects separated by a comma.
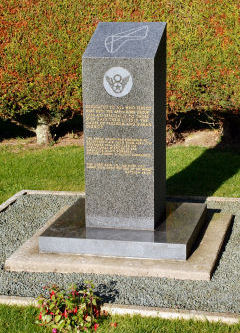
[
  {"x": 54, "y": 330},
  {"x": 96, "y": 326},
  {"x": 65, "y": 313}
]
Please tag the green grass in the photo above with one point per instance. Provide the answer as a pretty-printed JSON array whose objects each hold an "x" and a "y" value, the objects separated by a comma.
[
  {"x": 21, "y": 320},
  {"x": 14, "y": 319},
  {"x": 190, "y": 171},
  {"x": 138, "y": 324},
  {"x": 58, "y": 169}
]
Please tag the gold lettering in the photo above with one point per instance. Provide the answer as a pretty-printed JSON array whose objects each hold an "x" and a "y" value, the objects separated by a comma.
[
  {"x": 117, "y": 146},
  {"x": 99, "y": 116},
  {"x": 126, "y": 168}
]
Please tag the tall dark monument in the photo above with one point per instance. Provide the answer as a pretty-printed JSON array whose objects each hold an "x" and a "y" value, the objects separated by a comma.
[
  {"x": 124, "y": 94},
  {"x": 124, "y": 97}
]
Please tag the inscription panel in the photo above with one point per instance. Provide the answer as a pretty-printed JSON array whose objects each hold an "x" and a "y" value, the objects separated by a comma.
[
  {"x": 117, "y": 146},
  {"x": 133, "y": 169},
  {"x": 132, "y": 147},
  {"x": 119, "y": 158},
  {"x": 100, "y": 116},
  {"x": 105, "y": 116}
]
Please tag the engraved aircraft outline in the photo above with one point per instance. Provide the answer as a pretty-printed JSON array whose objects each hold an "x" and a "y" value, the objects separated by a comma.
[{"x": 114, "y": 42}]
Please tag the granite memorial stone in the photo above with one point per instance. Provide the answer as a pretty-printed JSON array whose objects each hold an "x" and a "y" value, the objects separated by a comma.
[
  {"x": 124, "y": 89},
  {"x": 124, "y": 212}
]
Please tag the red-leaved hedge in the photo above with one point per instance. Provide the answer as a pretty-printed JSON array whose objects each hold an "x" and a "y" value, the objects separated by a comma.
[{"x": 42, "y": 41}]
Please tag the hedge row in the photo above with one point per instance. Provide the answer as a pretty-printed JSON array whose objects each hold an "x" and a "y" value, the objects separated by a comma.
[{"x": 42, "y": 41}]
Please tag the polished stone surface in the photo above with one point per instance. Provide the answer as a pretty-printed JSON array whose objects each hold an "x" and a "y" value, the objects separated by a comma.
[
  {"x": 173, "y": 239},
  {"x": 124, "y": 94},
  {"x": 125, "y": 40}
]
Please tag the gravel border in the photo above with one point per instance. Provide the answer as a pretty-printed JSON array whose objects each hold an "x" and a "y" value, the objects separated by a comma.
[{"x": 221, "y": 294}]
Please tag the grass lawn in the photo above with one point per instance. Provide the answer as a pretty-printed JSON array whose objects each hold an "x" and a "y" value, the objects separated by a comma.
[
  {"x": 190, "y": 170},
  {"x": 57, "y": 169},
  {"x": 15, "y": 319}
]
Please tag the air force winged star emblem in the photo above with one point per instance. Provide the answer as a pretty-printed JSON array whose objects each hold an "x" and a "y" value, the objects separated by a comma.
[
  {"x": 117, "y": 81},
  {"x": 114, "y": 42}
]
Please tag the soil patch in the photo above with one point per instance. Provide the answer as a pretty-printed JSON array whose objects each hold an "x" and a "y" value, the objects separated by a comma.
[
  {"x": 203, "y": 138},
  {"x": 31, "y": 143}
]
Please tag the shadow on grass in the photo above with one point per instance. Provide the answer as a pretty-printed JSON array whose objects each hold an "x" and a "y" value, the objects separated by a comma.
[{"x": 206, "y": 173}]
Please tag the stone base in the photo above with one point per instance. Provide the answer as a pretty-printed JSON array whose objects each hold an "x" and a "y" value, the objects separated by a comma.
[
  {"x": 199, "y": 266},
  {"x": 174, "y": 239}
]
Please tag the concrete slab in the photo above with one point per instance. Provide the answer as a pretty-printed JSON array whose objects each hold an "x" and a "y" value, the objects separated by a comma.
[
  {"x": 144, "y": 311},
  {"x": 11, "y": 200},
  {"x": 199, "y": 266}
]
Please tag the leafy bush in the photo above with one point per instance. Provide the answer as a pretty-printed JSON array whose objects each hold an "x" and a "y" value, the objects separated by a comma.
[
  {"x": 42, "y": 42},
  {"x": 69, "y": 311}
]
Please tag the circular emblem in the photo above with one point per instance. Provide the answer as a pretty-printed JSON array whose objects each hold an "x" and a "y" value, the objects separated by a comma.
[{"x": 117, "y": 81}]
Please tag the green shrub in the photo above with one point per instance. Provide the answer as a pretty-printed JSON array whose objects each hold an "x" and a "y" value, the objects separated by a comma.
[
  {"x": 69, "y": 311},
  {"x": 42, "y": 42}
]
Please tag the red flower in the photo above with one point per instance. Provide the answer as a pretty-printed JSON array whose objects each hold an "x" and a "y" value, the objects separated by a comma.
[
  {"x": 113, "y": 324},
  {"x": 40, "y": 316},
  {"x": 75, "y": 310},
  {"x": 96, "y": 312},
  {"x": 52, "y": 293},
  {"x": 96, "y": 326}
]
